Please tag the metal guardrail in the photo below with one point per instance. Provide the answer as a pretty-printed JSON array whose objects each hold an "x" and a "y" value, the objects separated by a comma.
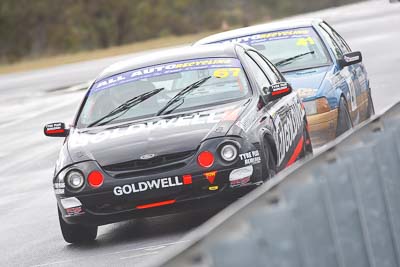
[{"x": 340, "y": 208}]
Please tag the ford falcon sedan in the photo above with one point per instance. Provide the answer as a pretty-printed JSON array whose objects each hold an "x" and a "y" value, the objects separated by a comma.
[{"x": 170, "y": 131}]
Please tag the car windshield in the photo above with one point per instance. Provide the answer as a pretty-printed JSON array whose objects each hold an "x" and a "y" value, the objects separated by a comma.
[
  {"x": 291, "y": 49},
  {"x": 163, "y": 89}
]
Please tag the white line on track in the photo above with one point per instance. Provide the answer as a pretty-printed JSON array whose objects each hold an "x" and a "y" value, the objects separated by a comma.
[
  {"x": 114, "y": 253},
  {"x": 154, "y": 248},
  {"x": 148, "y": 247},
  {"x": 139, "y": 255}
]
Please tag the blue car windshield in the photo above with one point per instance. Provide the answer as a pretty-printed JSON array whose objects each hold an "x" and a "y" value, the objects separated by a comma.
[{"x": 291, "y": 49}]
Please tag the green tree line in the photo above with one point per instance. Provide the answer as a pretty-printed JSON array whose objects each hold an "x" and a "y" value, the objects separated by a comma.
[{"x": 32, "y": 28}]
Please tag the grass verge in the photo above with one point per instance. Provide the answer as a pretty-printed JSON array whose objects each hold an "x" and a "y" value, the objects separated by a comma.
[{"x": 51, "y": 61}]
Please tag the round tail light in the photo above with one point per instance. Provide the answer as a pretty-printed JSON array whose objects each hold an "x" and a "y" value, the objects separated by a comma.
[
  {"x": 205, "y": 159},
  {"x": 95, "y": 179}
]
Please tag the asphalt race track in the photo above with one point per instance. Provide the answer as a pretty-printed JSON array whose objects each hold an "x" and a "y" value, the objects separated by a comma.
[{"x": 29, "y": 230}]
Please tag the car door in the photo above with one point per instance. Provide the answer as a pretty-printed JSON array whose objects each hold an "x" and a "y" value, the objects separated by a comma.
[
  {"x": 286, "y": 114},
  {"x": 352, "y": 74},
  {"x": 359, "y": 71}
]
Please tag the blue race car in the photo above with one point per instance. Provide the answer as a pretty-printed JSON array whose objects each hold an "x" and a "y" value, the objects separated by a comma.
[{"x": 319, "y": 64}]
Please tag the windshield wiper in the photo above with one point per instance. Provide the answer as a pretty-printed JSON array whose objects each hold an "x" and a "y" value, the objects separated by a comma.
[
  {"x": 180, "y": 96},
  {"x": 124, "y": 107},
  {"x": 290, "y": 59}
]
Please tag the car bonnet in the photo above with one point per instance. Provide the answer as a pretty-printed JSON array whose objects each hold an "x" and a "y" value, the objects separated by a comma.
[
  {"x": 309, "y": 78},
  {"x": 181, "y": 132}
]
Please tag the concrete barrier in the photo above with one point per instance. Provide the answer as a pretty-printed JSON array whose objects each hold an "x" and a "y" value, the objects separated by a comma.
[{"x": 341, "y": 208}]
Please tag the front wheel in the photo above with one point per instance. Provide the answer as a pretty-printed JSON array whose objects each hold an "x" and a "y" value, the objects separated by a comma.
[
  {"x": 77, "y": 233},
  {"x": 344, "y": 121},
  {"x": 269, "y": 167}
]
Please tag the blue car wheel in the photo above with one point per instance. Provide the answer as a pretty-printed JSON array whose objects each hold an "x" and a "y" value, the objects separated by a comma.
[{"x": 344, "y": 120}]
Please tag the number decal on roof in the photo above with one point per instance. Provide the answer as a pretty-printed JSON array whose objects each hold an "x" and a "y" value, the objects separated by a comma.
[{"x": 224, "y": 73}]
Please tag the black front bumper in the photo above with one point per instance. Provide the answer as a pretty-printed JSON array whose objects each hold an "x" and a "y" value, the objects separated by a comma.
[
  {"x": 210, "y": 202},
  {"x": 107, "y": 205}
]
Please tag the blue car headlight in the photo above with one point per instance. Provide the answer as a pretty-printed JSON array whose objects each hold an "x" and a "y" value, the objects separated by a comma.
[{"x": 316, "y": 106}]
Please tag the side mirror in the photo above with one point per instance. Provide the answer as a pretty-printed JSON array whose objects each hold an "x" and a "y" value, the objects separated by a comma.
[
  {"x": 56, "y": 129},
  {"x": 350, "y": 59},
  {"x": 276, "y": 91}
]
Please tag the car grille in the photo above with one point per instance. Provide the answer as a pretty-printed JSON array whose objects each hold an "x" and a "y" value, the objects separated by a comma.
[{"x": 157, "y": 164}]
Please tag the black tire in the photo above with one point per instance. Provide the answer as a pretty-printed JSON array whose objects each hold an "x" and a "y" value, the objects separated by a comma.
[
  {"x": 344, "y": 119},
  {"x": 269, "y": 168},
  {"x": 307, "y": 146},
  {"x": 76, "y": 233},
  {"x": 371, "y": 107}
]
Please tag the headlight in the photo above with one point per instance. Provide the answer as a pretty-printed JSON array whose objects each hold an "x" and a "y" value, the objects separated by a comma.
[
  {"x": 317, "y": 106},
  {"x": 229, "y": 152},
  {"x": 75, "y": 179}
]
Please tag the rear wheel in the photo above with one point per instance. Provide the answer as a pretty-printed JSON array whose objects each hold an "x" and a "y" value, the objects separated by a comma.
[
  {"x": 307, "y": 146},
  {"x": 344, "y": 121},
  {"x": 371, "y": 107},
  {"x": 77, "y": 233}
]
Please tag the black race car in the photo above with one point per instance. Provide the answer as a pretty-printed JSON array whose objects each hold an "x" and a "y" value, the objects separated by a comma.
[{"x": 174, "y": 130}]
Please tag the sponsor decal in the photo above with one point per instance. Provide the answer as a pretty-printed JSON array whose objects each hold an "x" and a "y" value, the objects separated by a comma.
[
  {"x": 198, "y": 118},
  {"x": 54, "y": 128},
  {"x": 351, "y": 59},
  {"x": 303, "y": 33},
  {"x": 74, "y": 211},
  {"x": 335, "y": 79},
  {"x": 296, "y": 152},
  {"x": 352, "y": 95},
  {"x": 305, "y": 41},
  {"x": 147, "y": 156},
  {"x": 247, "y": 121},
  {"x": 240, "y": 182},
  {"x": 210, "y": 176},
  {"x": 213, "y": 187},
  {"x": 164, "y": 69},
  {"x": 252, "y": 157},
  {"x": 240, "y": 176},
  {"x": 147, "y": 185},
  {"x": 346, "y": 75},
  {"x": 72, "y": 206},
  {"x": 59, "y": 191},
  {"x": 59, "y": 185},
  {"x": 59, "y": 188},
  {"x": 279, "y": 88},
  {"x": 224, "y": 73},
  {"x": 288, "y": 124}
]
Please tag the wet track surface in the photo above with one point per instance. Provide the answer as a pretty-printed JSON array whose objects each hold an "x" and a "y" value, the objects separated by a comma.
[{"x": 29, "y": 230}]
